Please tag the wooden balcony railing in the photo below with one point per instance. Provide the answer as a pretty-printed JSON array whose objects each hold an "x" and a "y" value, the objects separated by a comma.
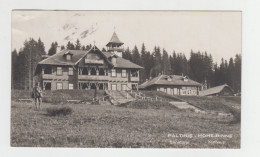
[
  {"x": 135, "y": 79},
  {"x": 92, "y": 77},
  {"x": 51, "y": 77}
]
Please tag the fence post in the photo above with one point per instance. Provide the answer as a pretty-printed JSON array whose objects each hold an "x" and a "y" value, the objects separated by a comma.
[{"x": 156, "y": 97}]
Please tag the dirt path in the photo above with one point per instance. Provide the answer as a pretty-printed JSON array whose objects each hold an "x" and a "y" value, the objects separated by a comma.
[{"x": 184, "y": 105}]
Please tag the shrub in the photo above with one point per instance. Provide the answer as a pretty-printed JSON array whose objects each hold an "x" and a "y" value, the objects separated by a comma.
[{"x": 63, "y": 111}]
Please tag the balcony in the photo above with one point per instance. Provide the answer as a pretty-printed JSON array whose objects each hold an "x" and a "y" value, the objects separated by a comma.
[
  {"x": 119, "y": 79},
  {"x": 92, "y": 77},
  {"x": 135, "y": 79},
  {"x": 52, "y": 77},
  {"x": 93, "y": 61}
]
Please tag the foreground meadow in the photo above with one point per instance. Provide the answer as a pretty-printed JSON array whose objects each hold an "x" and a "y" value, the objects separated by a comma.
[{"x": 113, "y": 126}]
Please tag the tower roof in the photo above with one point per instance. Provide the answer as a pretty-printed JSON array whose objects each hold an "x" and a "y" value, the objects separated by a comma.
[{"x": 114, "y": 40}]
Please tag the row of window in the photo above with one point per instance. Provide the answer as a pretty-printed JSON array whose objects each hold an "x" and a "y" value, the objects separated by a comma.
[
  {"x": 188, "y": 92},
  {"x": 60, "y": 72},
  {"x": 114, "y": 73},
  {"x": 123, "y": 73},
  {"x": 59, "y": 85}
]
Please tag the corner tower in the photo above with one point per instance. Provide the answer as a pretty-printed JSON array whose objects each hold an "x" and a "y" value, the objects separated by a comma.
[{"x": 114, "y": 45}]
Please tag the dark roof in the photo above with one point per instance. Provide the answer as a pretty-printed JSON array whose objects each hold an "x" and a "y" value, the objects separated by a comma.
[
  {"x": 214, "y": 90},
  {"x": 114, "y": 40},
  {"x": 121, "y": 62},
  {"x": 177, "y": 80},
  {"x": 107, "y": 54},
  {"x": 59, "y": 59},
  {"x": 124, "y": 63}
]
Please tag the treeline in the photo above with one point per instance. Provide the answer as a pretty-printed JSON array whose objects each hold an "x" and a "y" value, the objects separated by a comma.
[
  {"x": 199, "y": 67},
  {"x": 24, "y": 64}
]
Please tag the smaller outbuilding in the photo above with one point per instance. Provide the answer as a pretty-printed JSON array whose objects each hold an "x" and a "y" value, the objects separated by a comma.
[
  {"x": 172, "y": 84},
  {"x": 222, "y": 90}
]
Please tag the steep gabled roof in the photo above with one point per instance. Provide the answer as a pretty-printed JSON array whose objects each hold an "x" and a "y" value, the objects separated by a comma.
[
  {"x": 121, "y": 62},
  {"x": 59, "y": 59},
  {"x": 214, "y": 90},
  {"x": 176, "y": 80},
  {"x": 114, "y": 40},
  {"x": 124, "y": 63}
]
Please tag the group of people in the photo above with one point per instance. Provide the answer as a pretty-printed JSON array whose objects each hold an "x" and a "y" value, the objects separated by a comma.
[{"x": 37, "y": 95}]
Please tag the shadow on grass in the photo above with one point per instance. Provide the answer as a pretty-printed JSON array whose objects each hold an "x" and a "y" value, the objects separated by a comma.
[{"x": 62, "y": 111}]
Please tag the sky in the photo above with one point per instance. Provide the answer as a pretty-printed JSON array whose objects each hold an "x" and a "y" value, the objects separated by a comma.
[{"x": 218, "y": 33}]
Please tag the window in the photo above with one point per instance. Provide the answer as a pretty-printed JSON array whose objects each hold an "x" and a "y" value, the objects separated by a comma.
[
  {"x": 59, "y": 70},
  {"x": 85, "y": 71},
  {"x": 113, "y": 71},
  {"x": 48, "y": 70},
  {"x": 101, "y": 72},
  {"x": 124, "y": 87},
  {"x": 68, "y": 57},
  {"x": 93, "y": 71},
  {"x": 59, "y": 85},
  {"x": 124, "y": 73},
  {"x": 113, "y": 86},
  {"x": 134, "y": 73},
  {"x": 70, "y": 86},
  {"x": 70, "y": 71}
]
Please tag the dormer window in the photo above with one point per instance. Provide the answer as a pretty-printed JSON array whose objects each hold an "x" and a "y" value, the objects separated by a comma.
[
  {"x": 169, "y": 79},
  {"x": 185, "y": 78},
  {"x": 68, "y": 57}
]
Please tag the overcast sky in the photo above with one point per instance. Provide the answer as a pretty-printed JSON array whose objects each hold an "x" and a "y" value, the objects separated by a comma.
[{"x": 218, "y": 33}]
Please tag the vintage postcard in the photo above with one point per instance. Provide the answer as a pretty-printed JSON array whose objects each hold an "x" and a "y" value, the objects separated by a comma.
[{"x": 126, "y": 79}]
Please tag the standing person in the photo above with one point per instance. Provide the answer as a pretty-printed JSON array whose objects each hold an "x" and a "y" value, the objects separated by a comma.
[{"x": 37, "y": 95}]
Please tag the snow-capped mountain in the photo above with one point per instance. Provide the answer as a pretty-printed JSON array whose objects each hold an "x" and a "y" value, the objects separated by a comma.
[{"x": 71, "y": 32}]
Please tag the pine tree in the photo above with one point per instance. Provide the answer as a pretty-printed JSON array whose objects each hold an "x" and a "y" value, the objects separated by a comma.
[
  {"x": 173, "y": 63},
  {"x": 237, "y": 73},
  {"x": 136, "y": 56},
  {"x": 231, "y": 73},
  {"x": 27, "y": 61},
  {"x": 143, "y": 73},
  {"x": 14, "y": 69},
  {"x": 77, "y": 45},
  {"x": 165, "y": 63},
  {"x": 70, "y": 46},
  {"x": 53, "y": 49},
  {"x": 127, "y": 54},
  {"x": 157, "y": 61}
]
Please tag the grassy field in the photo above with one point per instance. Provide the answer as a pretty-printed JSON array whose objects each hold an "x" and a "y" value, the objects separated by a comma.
[
  {"x": 58, "y": 96},
  {"x": 121, "y": 126}
]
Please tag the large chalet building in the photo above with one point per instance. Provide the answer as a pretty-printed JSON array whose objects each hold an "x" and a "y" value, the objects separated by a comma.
[{"x": 92, "y": 69}]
